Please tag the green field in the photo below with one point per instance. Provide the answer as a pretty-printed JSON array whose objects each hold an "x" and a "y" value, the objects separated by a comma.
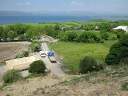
[{"x": 74, "y": 52}]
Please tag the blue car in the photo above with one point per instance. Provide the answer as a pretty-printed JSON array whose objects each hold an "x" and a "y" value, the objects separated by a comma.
[{"x": 50, "y": 53}]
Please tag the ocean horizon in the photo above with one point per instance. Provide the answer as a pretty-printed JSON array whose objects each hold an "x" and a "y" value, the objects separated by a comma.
[
  {"x": 44, "y": 19},
  {"x": 41, "y": 19}
]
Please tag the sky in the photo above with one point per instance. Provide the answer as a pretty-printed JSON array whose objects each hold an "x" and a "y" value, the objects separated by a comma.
[{"x": 94, "y": 6}]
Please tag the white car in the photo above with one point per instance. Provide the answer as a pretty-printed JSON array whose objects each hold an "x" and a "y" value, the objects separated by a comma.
[{"x": 42, "y": 54}]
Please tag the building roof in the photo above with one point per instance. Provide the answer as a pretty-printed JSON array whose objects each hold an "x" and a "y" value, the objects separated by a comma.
[{"x": 125, "y": 28}]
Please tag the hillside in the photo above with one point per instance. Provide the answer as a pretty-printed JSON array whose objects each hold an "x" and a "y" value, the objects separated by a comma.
[{"x": 107, "y": 82}]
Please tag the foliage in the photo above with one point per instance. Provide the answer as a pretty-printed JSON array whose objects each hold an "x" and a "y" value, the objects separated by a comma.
[
  {"x": 89, "y": 64},
  {"x": 105, "y": 27},
  {"x": 22, "y": 54},
  {"x": 105, "y": 35},
  {"x": 25, "y": 53},
  {"x": 125, "y": 86},
  {"x": 37, "y": 67},
  {"x": 108, "y": 36},
  {"x": 11, "y": 76},
  {"x": 118, "y": 51},
  {"x": 88, "y": 27},
  {"x": 89, "y": 37},
  {"x": 35, "y": 46},
  {"x": 52, "y": 31},
  {"x": 80, "y": 36},
  {"x": 119, "y": 33},
  {"x": 58, "y": 30}
]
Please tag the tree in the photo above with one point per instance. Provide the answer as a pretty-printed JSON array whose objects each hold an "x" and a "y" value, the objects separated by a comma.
[
  {"x": 35, "y": 46},
  {"x": 1, "y": 32},
  {"x": 11, "y": 76},
  {"x": 89, "y": 64},
  {"x": 18, "y": 28},
  {"x": 71, "y": 36},
  {"x": 37, "y": 67},
  {"x": 118, "y": 51},
  {"x": 11, "y": 35},
  {"x": 57, "y": 27}
]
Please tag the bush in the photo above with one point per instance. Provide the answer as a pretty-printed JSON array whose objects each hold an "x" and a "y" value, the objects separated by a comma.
[
  {"x": 89, "y": 64},
  {"x": 37, "y": 67},
  {"x": 125, "y": 86},
  {"x": 68, "y": 36},
  {"x": 118, "y": 51},
  {"x": 81, "y": 36},
  {"x": 124, "y": 61},
  {"x": 108, "y": 36},
  {"x": 35, "y": 46},
  {"x": 105, "y": 35},
  {"x": 89, "y": 37},
  {"x": 25, "y": 53},
  {"x": 71, "y": 36},
  {"x": 11, "y": 76}
]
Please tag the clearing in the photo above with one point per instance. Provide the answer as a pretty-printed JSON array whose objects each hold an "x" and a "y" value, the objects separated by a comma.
[{"x": 73, "y": 52}]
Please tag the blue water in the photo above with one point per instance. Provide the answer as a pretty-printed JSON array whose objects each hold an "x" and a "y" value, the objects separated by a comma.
[{"x": 40, "y": 19}]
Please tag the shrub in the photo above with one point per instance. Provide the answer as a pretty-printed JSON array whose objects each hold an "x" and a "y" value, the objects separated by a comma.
[
  {"x": 119, "y": 33},
  {"x": 25, "y": 53},
  {"x": 11, "y": 76},
  {"x": 108, "y": 36},
  {"x": 124, "y": 61},
  {"x": 72, "y": 36},
  {"x": 37, "y": 67},
  {"x": 125, "y": 86},
  {"x": 118, "y": 51},
  {"x": 89, "y": 64},
  {"x": 80, "y": 36},
  {"x": 89, "y": 37},
  {"x": 114, "y": 55},
  {"x": 104, "y": 35},
  {"x": 35, "y": 46}
]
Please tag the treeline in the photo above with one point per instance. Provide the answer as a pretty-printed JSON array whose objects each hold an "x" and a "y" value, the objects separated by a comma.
[
  {"x": 87, "y": 36},
  {"x": 26, "y": 32},
  {"x": 88, "y": 32}
]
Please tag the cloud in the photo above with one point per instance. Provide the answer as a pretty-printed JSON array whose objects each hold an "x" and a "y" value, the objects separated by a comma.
[
  {"x": 27, "y": 3},
  {"x": 77, "y": 3}
]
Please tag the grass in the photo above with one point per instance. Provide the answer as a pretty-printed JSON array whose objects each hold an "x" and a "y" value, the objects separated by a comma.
[{"x": 73, "y": 52}]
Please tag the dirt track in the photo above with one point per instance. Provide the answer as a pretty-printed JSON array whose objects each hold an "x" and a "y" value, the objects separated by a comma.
[
  {"x": 55, "y": 68},
  {"x": 8, "y": 50}
]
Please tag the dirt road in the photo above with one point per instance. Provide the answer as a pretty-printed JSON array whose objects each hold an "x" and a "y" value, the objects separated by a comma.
[{"x": 55, "y": 68}]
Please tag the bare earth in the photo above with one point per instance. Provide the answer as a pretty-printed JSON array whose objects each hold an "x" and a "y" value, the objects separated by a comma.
[
  {"x": 8, "y": 50},
  {"x": 99, "y": 85}
]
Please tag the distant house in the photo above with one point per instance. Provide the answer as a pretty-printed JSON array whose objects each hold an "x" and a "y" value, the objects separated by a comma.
[
  {"x": 20, "y": 63},
  {"x": 124, "y": 28}
]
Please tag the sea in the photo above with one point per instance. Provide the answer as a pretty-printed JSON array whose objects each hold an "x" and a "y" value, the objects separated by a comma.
[
  {"x": 41, "y": 19},
  {"x": 44, "y": 19}
]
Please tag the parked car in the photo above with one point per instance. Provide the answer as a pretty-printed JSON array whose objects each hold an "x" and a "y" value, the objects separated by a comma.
[
  {"x": 42, "y": 54},
  {"x": 52, "y": 59},
  {"x": 50, "y": 53}
]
